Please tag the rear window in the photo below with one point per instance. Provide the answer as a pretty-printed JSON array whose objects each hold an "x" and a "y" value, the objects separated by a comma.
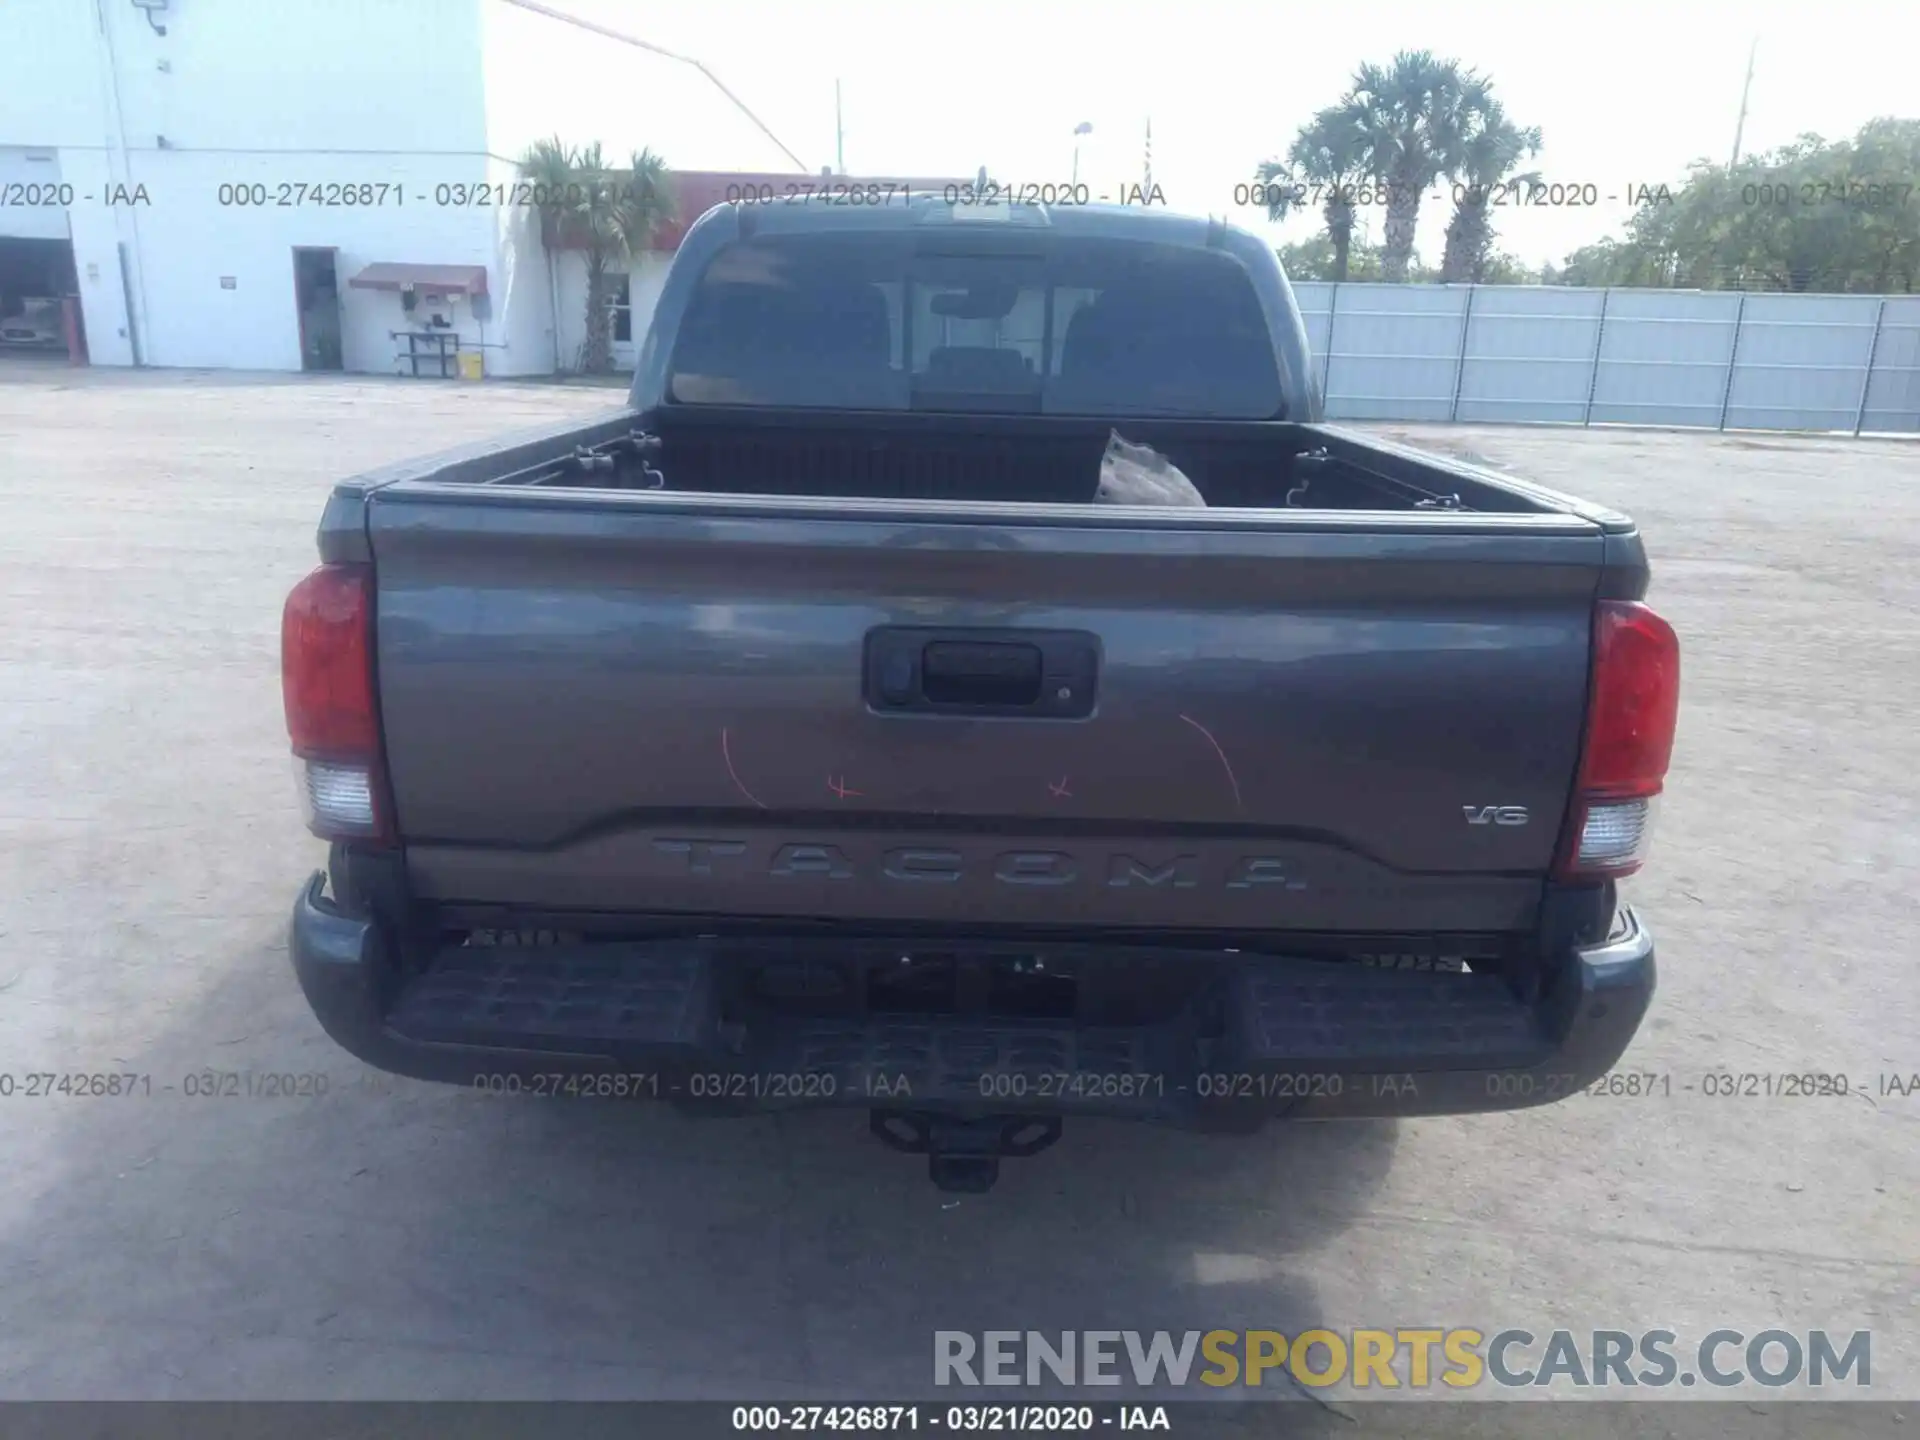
[{"x": 1074, "y": 328}]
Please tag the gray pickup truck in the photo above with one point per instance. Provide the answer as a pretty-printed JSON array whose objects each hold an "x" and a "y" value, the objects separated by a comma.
[{"x": 801, "y": 733}]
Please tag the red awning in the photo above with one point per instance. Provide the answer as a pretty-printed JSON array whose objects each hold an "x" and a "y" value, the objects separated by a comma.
[{"x": 428, "y": 279}]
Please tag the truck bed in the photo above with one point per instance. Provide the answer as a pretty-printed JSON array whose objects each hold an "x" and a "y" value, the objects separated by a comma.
[{"x": 1007, "y": 458}]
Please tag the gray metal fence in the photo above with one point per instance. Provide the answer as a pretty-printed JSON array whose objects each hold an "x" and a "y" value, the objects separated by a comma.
[{"x": 1544, "y": 353}]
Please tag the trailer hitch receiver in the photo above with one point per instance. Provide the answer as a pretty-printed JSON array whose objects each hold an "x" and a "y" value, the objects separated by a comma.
[{"x": 963, "y": 1152}]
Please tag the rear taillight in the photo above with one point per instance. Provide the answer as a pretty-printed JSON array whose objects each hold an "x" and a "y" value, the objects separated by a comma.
[
  {"x": 326, "y": 679},
  {"x": 1633, "y": 701}
]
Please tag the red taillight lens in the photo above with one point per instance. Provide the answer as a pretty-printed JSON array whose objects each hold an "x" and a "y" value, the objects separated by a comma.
[
  {"x": 1635, "y": 700},
  {"x": 326, "y": 664},
  {"x": 1632, "y": 709},
  {"x": 326, "y": 680}
]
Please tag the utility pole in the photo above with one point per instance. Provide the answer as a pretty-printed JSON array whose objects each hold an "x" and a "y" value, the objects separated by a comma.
[
  {"x": 1740, "y": 125},
  {"x": 839, "y": 135}
]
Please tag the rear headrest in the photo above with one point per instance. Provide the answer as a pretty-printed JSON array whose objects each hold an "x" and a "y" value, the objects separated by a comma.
[
  {"x": 1081, "y": 337},
  {"x": 1100, "y": 336}
]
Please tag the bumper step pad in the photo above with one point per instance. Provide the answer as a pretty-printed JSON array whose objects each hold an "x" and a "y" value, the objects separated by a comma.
[
  {"x": 1303, "y": 1038},
  {"x": 1310, "y": 1013},
  {"x": 560, "y": 996},
  {"x": 653, "y": 1002}
]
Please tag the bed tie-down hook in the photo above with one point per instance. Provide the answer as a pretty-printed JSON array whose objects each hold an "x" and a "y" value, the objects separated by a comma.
[
  {"x": 646, "y": 445},
  {"x": 587, "y": 461},
  {"x": 1306, "y": 465}
]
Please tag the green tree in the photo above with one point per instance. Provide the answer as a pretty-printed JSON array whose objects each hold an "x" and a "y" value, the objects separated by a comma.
[
  {"x": 1886, "y": 153},
  {"x": 1320, "y": 259},
  {"x": 1593, "y": 265},
  {"x": 1486, "y": 156},
  {"x": 611, "y": 213},
  {"x": 1324, "y": 162},
  {"x": 1812, "y": 215},
  {"x": 1500, "y": 268},
  {"x": 1315, "y": 259},
  {"x": 1412, "y": 116}
]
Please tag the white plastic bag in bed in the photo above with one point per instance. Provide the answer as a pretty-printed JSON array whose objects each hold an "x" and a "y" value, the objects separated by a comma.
[{"x": 1141, "y": 475}]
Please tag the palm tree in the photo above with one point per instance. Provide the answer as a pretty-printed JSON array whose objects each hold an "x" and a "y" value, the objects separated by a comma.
[
  {"x": 611, "y": 213},
  {"x": 1324, "y": 162},
  {"x": 1485, "y": 158},
  {"x": 1411, "y": 116}
]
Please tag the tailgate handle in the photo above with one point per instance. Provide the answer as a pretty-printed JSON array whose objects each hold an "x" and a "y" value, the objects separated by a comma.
[
  {"x": 960, "y": 672},
  {"x": 1042, "y": 673}
]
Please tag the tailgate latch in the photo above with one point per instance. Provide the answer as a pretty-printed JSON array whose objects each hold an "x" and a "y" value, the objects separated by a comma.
[{"x": 1045, "y": 674}]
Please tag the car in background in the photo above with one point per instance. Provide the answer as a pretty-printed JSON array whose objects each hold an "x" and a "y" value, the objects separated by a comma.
[{"x": 37, "y": 326}]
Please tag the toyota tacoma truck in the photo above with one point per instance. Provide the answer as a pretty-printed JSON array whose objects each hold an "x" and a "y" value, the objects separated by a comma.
[{"x": 801, "y": 733}]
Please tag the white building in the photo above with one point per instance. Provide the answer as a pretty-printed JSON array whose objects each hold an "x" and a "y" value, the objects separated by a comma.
[{"x": 196, "y": 170}]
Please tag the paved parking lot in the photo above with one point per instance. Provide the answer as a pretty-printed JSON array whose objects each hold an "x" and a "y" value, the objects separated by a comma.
[{"x": 414, "y": 1241}]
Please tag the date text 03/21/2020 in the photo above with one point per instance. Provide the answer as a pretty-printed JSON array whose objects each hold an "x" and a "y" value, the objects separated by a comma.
[
  {"x": 1207, "y": 1085},
  {"x": 1037, "y": 1419},
  {"x": 1060, "y": 1085},
  {"x": 1367, "y": 194},
  {"x": 991, "y": 193}
]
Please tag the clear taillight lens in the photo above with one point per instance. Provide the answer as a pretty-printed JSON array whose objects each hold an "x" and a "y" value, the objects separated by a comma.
[
  {"x": 337, "y": 800},
  {"x": 1614, "y": 835}
]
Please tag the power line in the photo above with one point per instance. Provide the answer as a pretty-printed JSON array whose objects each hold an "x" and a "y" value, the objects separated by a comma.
[{"x": 639, "y": 44}]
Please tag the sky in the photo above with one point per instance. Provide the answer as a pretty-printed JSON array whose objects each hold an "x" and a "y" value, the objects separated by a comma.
[{"x": 1626, "y": 94}]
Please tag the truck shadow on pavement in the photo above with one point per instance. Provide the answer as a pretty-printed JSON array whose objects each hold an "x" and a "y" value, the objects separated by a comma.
[
  {"x": 395, "y": 1239},
  {"x": 1118, "y": 1226}
]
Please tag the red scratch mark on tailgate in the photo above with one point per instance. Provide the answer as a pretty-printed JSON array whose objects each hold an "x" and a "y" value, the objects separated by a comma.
[
  {"x": 726, "y": 753},
  {"x": 1225, "y": 764}
]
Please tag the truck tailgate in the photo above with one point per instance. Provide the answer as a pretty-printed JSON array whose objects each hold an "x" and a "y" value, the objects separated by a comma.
[{"x": 673, "y": 703}]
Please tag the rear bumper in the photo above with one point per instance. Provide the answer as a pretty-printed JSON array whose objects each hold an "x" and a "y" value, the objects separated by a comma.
[{"x": 1301, "y": 1038}]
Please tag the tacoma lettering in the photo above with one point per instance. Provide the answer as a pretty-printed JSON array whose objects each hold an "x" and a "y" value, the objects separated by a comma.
[
  {"x": 700, "y": 853},
  {"x": 936, "y": 865},
  {"x": 1123, "y": 870},
  {"x": 942, "y": 866},
  {"x": 1260, "y": 870},
  {"x": 1035, "y": 867},
  {"x": 824, "y": 862}
]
